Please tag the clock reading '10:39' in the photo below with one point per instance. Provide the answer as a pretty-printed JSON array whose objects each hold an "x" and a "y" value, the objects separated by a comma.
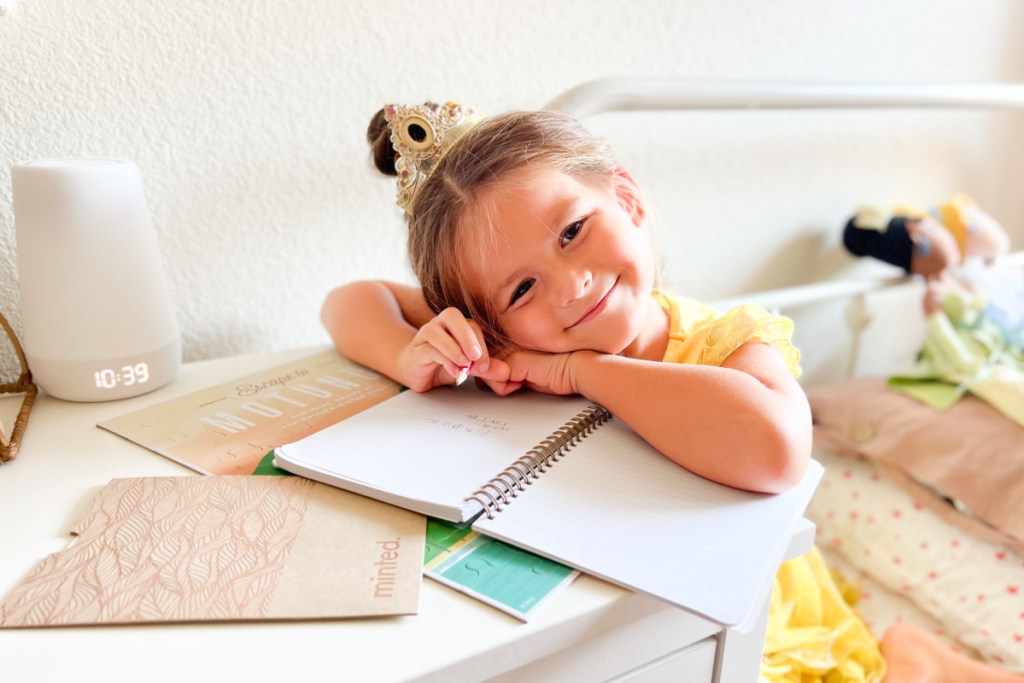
[{"x": 108, "y": 378}]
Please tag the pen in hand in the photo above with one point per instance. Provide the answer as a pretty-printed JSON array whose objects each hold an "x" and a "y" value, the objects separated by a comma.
[{"x": 463, "y": 374}]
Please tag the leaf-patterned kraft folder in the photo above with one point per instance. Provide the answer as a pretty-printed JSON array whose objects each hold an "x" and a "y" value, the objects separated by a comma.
[{"x": 225, "y": 548}]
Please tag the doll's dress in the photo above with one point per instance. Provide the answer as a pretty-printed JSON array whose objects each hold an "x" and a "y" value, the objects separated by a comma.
[
  {"x": 974, "y": 344},
  {"x": 813, "y": 635}
]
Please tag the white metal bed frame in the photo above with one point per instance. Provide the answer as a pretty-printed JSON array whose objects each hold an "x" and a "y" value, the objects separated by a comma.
[{"x": 654, "y": 94}]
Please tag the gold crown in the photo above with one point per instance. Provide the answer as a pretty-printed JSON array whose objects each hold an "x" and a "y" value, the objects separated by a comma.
[{"x": 421, "y": 136}]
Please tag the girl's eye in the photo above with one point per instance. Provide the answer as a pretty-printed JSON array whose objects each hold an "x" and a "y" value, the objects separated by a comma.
[
  {"x": 570, "y": 233},
  {"x": 522, "y": 289}
]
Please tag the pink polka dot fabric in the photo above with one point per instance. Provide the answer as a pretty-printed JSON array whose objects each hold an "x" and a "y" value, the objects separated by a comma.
[{"x": 972, "y": 588}]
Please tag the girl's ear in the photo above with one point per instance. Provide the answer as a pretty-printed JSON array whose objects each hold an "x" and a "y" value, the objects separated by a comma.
[{"x": 627, "y": 193}]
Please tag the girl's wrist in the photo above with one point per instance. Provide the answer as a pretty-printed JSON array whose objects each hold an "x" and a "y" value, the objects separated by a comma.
[{"x": 580, "y": 365}]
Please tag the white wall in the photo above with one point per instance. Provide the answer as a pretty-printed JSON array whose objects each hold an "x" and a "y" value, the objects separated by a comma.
[{"x": 247, "y": 120}]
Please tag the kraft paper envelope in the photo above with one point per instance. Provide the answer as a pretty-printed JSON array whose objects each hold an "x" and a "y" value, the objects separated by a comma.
[{"x": 225, "y": 548}]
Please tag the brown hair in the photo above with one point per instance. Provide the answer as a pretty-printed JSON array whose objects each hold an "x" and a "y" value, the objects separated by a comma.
[{"x": 486, "y": 154}]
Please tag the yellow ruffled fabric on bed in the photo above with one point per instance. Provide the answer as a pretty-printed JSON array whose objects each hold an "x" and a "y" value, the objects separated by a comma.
[
  {"x": 699, "y": 334},
  {"x": 814, "y": 635}
]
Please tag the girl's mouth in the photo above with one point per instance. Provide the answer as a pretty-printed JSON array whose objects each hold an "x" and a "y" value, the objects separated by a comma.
[{"x": 598, "y": 308}]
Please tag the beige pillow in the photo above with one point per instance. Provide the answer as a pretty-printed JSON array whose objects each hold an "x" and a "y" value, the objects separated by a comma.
[{"x": 971, "y": 454}]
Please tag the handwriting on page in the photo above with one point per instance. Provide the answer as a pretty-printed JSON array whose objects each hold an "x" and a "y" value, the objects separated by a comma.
[{"x": 472, "y": 423}]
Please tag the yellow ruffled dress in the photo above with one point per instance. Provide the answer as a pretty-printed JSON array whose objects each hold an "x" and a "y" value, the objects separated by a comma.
[{"x": 813, "y": 633}]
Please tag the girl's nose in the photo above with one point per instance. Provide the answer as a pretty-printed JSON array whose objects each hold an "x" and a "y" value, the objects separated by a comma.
[{"x": 575, "y": 284}]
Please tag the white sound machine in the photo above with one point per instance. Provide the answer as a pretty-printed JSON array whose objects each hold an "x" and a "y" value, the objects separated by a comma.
[{"x": 97, "y": 317}]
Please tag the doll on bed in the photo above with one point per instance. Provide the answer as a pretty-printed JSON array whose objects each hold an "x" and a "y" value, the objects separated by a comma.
[{"x": 974, "y": 315}]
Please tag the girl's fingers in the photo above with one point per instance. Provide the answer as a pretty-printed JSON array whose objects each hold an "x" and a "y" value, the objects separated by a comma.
[
  {"x": 468, "y": 338},
  {"x": 456, "y": 344},
  {"x": 506, "y": 388},
  {"x": 428, "y": 355},
  {"x": 496, "y": 370},
  {"x": 437, "y": 336},
  {"x": 482, "y": 362},
  {"x": 466, "y": 334},
  {"x": 500, "y": 387}
]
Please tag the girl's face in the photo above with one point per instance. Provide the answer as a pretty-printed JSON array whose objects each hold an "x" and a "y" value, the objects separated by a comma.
[{"x": 563, "y": 263}]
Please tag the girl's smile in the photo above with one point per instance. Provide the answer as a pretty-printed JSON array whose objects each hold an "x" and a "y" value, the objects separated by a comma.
[{"x": 598, "y": 308}]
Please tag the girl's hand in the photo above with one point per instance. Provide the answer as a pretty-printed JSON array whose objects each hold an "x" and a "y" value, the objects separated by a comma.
[
  {"x": 549, "y": 373},
  {"x": 441, "y": 347}
]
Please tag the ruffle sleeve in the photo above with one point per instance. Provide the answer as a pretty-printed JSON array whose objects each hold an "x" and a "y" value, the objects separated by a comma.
[
  {"x": 742, "y": 324},
  {"x": 700, "y": 334},
  {"x": 747, "y": 323}
]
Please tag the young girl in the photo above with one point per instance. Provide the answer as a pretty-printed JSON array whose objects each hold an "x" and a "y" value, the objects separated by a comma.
[{"x": 525, "y": 235}]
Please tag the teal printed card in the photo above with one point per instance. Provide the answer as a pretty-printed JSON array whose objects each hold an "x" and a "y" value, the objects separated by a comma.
[{"x": 503, "y": 576}]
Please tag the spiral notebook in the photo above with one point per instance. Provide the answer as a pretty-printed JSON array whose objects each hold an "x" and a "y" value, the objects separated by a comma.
[{"x": 559, "y": 476}]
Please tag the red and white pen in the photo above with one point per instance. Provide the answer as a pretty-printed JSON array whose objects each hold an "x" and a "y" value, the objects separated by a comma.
[{"x": 463, "y": 373}]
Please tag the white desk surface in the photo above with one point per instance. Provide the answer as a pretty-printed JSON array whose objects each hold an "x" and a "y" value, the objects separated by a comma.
[{"x": 65, "y": 458}]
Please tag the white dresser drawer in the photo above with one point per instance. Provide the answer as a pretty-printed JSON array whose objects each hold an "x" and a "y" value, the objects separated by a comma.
[{"x": 693, "y": 664}]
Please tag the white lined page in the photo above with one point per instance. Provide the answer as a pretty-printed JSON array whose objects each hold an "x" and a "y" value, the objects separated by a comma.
[
  {"x": 616, "y": 508},
  {"x": 429, "y": 451}
]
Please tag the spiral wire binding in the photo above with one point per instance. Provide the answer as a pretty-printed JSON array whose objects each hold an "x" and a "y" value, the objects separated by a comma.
[{"x": 498, "y": 493}]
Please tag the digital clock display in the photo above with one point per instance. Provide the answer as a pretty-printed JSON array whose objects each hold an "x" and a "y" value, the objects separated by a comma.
[{"x": 125, "y": 376}]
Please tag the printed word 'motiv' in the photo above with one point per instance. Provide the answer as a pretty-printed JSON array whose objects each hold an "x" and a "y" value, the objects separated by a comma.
[{"x": 277, "y": 403}]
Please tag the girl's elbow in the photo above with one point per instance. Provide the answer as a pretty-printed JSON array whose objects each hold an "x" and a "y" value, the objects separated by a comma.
[
  {"x": 788, "y": 440},
  {"x": 350, "y": 302},
  {"x": 329, "y": 308},
  {"x": 784, "y": 460}
]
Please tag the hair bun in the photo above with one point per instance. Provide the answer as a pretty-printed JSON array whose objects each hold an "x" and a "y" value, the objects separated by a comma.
[{"x": 379, "y": 136}]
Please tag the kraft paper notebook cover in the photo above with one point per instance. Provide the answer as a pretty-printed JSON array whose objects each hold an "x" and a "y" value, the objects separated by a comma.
[
  {"x": 557, "y": 476},
  {"x": 225, "y": 548}
]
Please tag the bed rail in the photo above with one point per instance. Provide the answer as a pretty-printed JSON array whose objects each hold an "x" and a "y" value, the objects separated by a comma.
[
  {"x": 659, "y": 94},
  {"x": 799, "y": 295}
]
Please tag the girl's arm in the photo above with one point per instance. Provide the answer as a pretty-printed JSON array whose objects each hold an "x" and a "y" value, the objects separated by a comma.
[
  {"x": 389, "y": 327},
  {"x": 746, "y": 424},
  {"x": 372, "y": 322}
]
